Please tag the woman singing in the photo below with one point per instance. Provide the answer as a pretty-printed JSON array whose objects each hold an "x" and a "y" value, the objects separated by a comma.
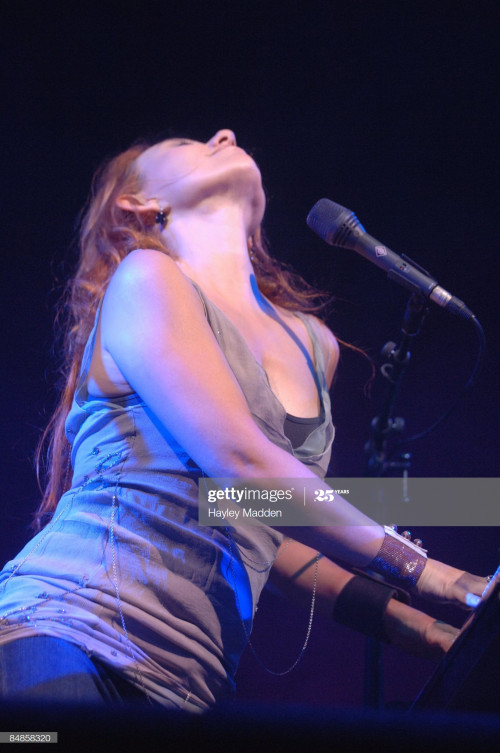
[{"x": 190, "y": 353}]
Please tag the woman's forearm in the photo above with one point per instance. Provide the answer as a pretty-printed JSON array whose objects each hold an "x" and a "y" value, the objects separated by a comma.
[{"x": 297, "y": 573}]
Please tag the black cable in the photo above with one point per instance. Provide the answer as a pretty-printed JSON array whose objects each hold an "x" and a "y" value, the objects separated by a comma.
[{"x": 472, "y": 378}]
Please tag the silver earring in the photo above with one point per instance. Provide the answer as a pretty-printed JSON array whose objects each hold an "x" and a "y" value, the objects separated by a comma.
[{"x": 161, "y": 218}]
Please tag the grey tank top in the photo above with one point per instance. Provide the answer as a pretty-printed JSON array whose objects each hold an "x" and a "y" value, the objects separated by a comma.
[{"x": 124, "y": 570}]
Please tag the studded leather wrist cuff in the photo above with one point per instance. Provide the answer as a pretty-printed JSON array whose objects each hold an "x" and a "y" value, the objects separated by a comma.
[{"x": 399, "y": 561}]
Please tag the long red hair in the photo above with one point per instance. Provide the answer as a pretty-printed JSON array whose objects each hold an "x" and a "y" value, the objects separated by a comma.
[{"x": 107, "y": 234}]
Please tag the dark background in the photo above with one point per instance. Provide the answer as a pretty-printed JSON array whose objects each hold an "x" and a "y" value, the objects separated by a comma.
[{"x": 389, "y": 108}]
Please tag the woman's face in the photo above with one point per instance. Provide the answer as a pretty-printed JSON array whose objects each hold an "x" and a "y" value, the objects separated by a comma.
[{"x": 183, "y": 173}]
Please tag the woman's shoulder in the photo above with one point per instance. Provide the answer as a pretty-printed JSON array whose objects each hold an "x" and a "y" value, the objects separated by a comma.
[
  {"x": 147, "y": 287},
  {"x": 145, "y": 272},
  {"x": 145, "y": 261}
]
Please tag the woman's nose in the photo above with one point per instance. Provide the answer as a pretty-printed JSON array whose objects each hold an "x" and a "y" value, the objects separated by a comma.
[{"x": 224, "y": 136}]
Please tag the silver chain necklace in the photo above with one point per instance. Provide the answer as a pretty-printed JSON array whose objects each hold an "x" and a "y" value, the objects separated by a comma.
[{"x": 302, "y": 651}]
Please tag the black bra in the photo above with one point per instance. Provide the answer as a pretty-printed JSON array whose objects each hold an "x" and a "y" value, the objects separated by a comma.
[{"x": 298, "y": 429}]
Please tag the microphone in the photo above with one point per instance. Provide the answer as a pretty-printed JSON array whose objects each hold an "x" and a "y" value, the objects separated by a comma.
[{"x": 339, "y": 226}]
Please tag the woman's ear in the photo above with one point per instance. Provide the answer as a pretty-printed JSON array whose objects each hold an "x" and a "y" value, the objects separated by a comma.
[
  {"x": 141, "y": 207},
  {"x": 132, "y": 203}
]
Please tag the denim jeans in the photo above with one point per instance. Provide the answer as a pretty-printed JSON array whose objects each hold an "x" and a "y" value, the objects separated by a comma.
[{"x": 51, "y": 669}]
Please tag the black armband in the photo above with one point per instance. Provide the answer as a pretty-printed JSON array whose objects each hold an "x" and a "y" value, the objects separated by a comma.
[{"x": 361, "y": 606}]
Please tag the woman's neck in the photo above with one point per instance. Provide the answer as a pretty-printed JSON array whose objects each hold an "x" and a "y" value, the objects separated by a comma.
[{"x": 212, "y": 250}]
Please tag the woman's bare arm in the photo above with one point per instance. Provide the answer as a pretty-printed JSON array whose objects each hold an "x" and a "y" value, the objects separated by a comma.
[
  {"x": 296, "y": 569},
  {"x": 154, "y": 326}
]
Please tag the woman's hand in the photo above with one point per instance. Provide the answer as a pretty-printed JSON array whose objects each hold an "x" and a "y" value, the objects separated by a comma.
[
  {"x": 416, "y": 632},
  {"x": 440, "y": 582}
]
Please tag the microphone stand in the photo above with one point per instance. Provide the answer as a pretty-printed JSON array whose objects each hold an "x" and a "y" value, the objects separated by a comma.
[{"x": 383, "y": 428}]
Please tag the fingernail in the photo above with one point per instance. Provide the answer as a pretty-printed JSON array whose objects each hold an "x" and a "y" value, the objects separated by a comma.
[{"x": 472, "y": 600}]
